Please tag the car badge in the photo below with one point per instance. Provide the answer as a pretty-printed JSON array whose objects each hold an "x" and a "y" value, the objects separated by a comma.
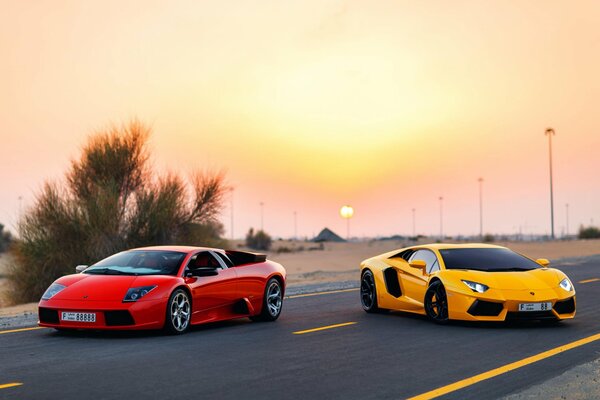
[{"x": 85, "y": 297}]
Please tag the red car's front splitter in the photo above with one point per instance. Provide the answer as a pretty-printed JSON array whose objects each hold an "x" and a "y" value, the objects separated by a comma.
[{"x": 113, "y": 315}]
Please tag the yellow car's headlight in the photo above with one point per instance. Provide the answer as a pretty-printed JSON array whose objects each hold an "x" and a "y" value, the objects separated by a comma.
[
  {"x": 475, "y": 286},
  {"x": 566, "y": 284}
]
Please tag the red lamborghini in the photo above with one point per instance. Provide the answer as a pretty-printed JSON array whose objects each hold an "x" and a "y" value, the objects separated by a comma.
[{"x": 170, "y": 287}]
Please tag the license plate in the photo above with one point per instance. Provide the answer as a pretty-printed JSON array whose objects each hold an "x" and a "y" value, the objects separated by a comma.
[
  {"x": 547, "y": 306},
  {"x": 78, "y": 316}
]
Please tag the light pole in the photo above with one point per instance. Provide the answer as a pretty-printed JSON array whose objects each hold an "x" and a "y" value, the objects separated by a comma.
[
  {"x": 295, "y": 225},
  {"x": 262, "y": 216},
  {"x": 231, "y": 199},
  {"x": 441, "y": 218},
  {"x": 567, "y": 212},
  {"x": 20, "y": 207},
  {"x": 347, "y": 212},
  {"x": 550, "y": 132},
  {"x": 480, "y": 180},
  {"x": 414, "y": 224}
]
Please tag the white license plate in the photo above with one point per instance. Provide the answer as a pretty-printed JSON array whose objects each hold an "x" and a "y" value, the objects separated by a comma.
[
  {"x": 547, "y": 306},
  {"x": 78, "y": 316}
]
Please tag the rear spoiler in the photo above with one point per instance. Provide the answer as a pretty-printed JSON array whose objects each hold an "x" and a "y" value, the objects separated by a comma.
[{"x": 245, "y": 257}]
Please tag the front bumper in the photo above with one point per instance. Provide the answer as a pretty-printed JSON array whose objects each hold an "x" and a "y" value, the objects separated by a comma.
[
  {"x": 113, "y": 315},
  {"x": 502, "y": 305}
]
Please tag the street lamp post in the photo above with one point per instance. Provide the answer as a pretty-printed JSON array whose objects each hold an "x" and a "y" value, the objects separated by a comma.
[
  {"x": 262, "y": 216},
  {"x": 550, "y": 132},
  {"x": 414, "y": 224},
  {"x": 347, "y": 212},
  {"x": 480, "y": 180},
  {"x": 567, "y": 212},
  {"x": 232, "y": 236},
  {"x": 441, "y": 218},
  {"x": 295, "y": 225}
]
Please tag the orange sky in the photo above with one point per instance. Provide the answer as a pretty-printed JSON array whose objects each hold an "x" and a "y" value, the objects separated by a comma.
[{"x": 310, "y": 105}]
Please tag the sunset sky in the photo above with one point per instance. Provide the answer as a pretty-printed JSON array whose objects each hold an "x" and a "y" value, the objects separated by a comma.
[{"x": 310, "y": 105}]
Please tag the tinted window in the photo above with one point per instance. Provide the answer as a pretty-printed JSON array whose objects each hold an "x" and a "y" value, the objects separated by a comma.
[
  {"x": 486, "y": 260},
  {"x": 429, "y": 258},
  {"x": 139, "y": 262}
]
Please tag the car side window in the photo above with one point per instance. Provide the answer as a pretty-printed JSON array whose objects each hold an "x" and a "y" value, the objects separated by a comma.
[
  {"x": 225, "y": 259},
  {"x": 430, "y": 259},
  {"x": 203, "y": 260}
]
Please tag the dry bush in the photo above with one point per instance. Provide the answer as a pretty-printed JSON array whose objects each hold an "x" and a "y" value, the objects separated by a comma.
[{"x": 110, "y": 201}]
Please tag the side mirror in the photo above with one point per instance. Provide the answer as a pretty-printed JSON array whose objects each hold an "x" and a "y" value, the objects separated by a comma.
[
  {"x": 80, "y": 268},
  {"x": 204, "y": 271},
  {"x": 419, "y": 264},
  {"x": 544, "y": 262}
]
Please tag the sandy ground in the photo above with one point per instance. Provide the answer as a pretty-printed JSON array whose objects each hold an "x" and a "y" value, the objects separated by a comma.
[{"x": 337, "y": 262}]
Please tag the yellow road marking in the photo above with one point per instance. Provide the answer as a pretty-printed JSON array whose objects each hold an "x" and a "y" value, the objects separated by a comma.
[
  {"x": 504, "y": 369},
  {"x": 8, "y": 385},
  {"x": 590, "y": 280},
  {"x": 323, "y": 328},
  {"x": 320, "y": 293},
  {"x": 22, "y": 329}
]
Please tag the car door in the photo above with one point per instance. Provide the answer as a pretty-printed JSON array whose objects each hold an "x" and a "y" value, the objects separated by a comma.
[
  {"x": 213, "y": 297},
  {"x": 415, "y": 282}
]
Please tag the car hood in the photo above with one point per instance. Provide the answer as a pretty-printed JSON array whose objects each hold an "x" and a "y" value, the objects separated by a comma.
[
  {"x": 542, "y": 278},
  {"x": 103, "y": 287}
]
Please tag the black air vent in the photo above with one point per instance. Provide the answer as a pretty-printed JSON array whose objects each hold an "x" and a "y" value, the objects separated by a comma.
[
  {"x": 482, "y": 308},
  {"x": 392, "y": 284},
  {"x": 565, "y": 307},
  {"x": 118, "y": 318},
  {"x": 48, "y": 316}
]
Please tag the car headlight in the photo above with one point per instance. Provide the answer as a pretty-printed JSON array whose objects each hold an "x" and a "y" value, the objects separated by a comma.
[
  {"x": 566, "y": 284},
  {"x": 54, "y": 289},
  {"x": 476, "y": 287},
  {"x": 136, "y": 293}
]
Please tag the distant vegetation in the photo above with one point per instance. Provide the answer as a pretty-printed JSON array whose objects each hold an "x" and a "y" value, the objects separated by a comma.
[
  {"x": 589, "y": 232},
  {"x": 488, "y": 238},
  {"x": 259, "y": 240},
  {"x": 5, "y": 239},
  {"x": 111, "y": 200}
]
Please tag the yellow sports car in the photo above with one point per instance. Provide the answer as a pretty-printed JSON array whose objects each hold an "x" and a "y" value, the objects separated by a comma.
[{"x": 471, "y": 282}]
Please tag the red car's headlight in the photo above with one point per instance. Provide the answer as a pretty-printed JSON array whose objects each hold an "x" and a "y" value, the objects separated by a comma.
[{"x": 136, "y": 293}]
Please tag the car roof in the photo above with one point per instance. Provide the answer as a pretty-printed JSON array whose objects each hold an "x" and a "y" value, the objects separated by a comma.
[
  {"x": 445, "y": 246},
  {"x": 182, "y": 249}
]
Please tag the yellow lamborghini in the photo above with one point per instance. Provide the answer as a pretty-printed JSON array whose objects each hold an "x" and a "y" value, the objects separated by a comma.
[{"x": 472, "y": 282}]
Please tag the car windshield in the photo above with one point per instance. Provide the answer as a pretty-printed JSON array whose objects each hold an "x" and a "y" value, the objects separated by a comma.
[
  {"x": 139, "y": 262},
  {"x": 487, "y": 259}
]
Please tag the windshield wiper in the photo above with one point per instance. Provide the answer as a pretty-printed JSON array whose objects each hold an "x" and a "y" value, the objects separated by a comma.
[{"x": 107, "y": 271}]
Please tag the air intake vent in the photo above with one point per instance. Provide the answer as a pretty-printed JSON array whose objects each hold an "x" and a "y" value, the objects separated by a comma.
[
  {"x": 565, "y": 307},
  {"x": 118, "y": 318},
  {"x": 392, "y": 284},
  {"x": 48, "y": 316},
  {"x": 482, "y": 308}
]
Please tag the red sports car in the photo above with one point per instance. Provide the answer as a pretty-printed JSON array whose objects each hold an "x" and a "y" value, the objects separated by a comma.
[{"x": 170, "y": 287}]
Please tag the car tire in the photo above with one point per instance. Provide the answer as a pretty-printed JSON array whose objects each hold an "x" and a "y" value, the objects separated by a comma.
[
  {"x": 368, "y": 293},
  {"x": 272, "y": 302},
  {"x": 179, "y": 313},
  {"x": 436, "y": 303}
]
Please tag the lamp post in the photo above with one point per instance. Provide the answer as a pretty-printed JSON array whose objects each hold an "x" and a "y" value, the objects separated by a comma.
[
  {"x": 347, "y": 212},
  {"x": 550, "y": 132},
  {"x": 414, "y": 224},
  {"x": 567, "y": 212},
  {"x": 295, "y": 225},
  {"x": 441, "y": 218},
  {"x": 262, "y": 216},
  {"x": 231, "y": 207},
  {"x": 480, "y": 180}
]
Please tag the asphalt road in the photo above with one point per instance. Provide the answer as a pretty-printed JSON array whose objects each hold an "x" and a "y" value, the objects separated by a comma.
[{"x": 387, "y": 356}]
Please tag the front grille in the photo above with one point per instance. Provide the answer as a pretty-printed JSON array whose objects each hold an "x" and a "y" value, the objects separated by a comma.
[
  {"x": 529, "y": 315},
  {"x": 565, "y": 306},
  {"x": 482, "y": 308},
  {"x": 118, "y": 318},
  {"x": 48, "y": 316}
]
